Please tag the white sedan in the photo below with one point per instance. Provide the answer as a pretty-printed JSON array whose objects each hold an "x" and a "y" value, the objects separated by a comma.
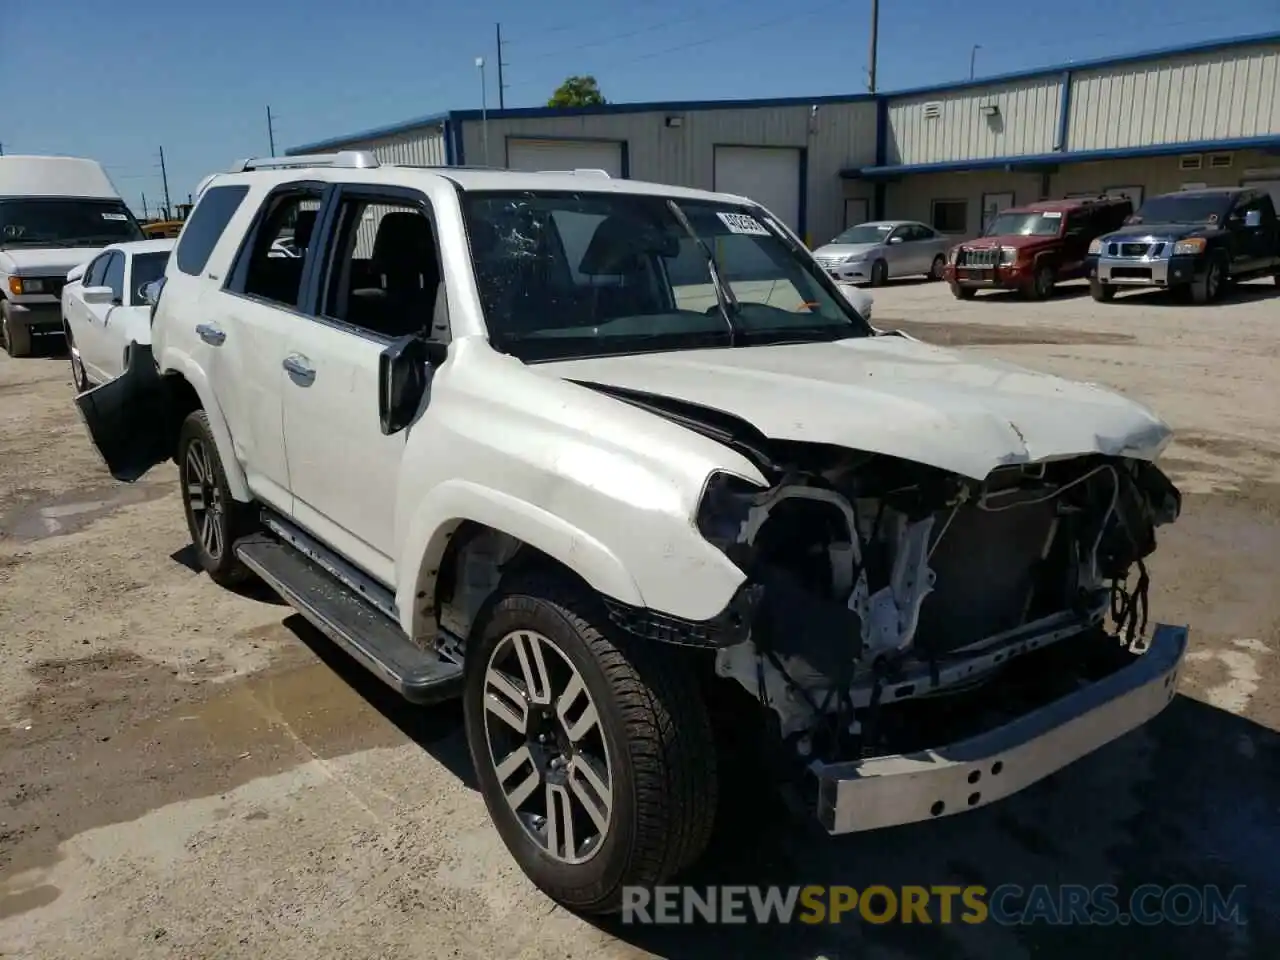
[{"x": 104, "y": 308}]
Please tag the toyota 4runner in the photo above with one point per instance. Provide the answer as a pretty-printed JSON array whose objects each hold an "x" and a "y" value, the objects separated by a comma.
[{"x": 618, "y": 465}]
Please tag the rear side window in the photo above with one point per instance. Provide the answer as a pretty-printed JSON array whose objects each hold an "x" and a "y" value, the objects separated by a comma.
[{"x": 205, "y": 228}]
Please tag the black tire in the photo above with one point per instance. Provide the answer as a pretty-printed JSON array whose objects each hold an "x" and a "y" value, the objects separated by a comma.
[
  {"x": 938, "y": 267},
  {"x": 1102, "y": 292},
  {"x": 657, "y": 742},
  {"x": 1042, "y": 284},
  {"x": 879, "y": 273},
  {"x": 1210, "y": 287},
  {"x": 963, "y": 293},
  {"x": 16, "y": 336},
  {"x": 79, "y": 376},
  {"x": 214, "y": 520}
]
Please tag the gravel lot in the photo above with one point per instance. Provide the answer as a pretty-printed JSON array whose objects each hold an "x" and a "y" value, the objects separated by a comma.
[{"x": 188, "y": 772}]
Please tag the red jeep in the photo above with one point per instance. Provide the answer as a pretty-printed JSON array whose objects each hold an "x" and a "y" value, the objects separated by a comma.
[{"x": 1032, "y": 247}]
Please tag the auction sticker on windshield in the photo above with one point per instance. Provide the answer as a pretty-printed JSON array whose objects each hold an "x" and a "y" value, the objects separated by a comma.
[
  {"x": 1052, "y": 214},
  {"x": 743, "y": 223},
  {"x": 114, "y": 216}
]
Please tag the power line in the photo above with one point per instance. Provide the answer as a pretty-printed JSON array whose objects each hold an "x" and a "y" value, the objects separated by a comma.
[{"x": 749, "y": 28}]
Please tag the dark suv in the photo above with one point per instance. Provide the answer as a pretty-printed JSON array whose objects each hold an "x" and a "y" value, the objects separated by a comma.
[
  {"x": 1032, "y": 247},
  {"x": 1192, "y": 243}
]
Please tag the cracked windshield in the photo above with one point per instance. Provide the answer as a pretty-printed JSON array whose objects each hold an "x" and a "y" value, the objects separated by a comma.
[{"x": 565, "y": 275}]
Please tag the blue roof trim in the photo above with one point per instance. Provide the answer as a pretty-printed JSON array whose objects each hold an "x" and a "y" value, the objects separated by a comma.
[
  {"x": 662, "y": 106},
  {"x": 1079, "y": 156},
  {"x": 1203, "y": 46}
]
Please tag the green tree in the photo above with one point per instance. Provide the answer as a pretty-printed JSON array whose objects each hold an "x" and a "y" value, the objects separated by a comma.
[{"x": 577, "y": 92}]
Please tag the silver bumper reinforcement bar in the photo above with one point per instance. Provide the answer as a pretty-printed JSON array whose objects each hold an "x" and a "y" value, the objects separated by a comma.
[{"x": 907, "y": 788}]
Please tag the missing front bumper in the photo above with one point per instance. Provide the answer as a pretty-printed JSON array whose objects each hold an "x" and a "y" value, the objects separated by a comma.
[{"x": 907, "y": 788}]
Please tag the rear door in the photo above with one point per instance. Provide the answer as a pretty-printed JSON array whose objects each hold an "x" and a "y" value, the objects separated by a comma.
[
  {"x": 258, "y": 309},
  {"x": 381, "y": 280}
]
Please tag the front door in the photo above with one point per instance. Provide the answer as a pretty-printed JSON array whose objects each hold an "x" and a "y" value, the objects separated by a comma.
[
  {"x": 381, "y": 282},
  {"x": 91, "y": 318},
  {"x": 245, "y": 330}
]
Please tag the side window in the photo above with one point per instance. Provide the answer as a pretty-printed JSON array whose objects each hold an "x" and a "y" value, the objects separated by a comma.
[
  {"x": 384, "y": 273},
  {"x": 205, "y": 227},
  {"x": 115, "y": 277},
  {"x": 1268, "y": 207},
  {"x": 93, "y": 277},
  {"x": 273, "y": 271},
  {"x": 950, "y": 216}
]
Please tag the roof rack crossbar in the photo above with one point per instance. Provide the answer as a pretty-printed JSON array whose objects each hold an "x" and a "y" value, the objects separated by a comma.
[{"x": 350, "y": 159}]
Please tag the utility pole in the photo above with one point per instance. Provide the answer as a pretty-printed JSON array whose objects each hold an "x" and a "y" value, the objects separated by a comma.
[
  {"x": 145, "y": 214},
  {"x": 271, "y": 131},
  {"x": 484, "y": 109},
  {"x": 973, "y": 58},
  {"x": 875, "y": 44},
  {"x": 502, "y": 87},
  {"x": 164, "y": 178}
]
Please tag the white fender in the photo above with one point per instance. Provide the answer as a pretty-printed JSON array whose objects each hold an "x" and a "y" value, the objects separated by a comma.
[{"x": 428, "y": 535}]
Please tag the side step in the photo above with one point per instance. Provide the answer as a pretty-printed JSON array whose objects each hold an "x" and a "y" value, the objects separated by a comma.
[{"x": 351, "y": 622}]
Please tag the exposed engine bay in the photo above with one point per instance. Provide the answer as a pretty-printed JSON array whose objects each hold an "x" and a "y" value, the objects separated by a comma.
[{"x": 881, "y": 580}]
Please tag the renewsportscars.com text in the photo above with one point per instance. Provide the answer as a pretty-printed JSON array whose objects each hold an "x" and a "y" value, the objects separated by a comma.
[{"x": 1007, "y": 905}]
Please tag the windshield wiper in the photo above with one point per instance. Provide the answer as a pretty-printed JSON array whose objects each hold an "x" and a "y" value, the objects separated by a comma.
[{"x": 727, "y": 302}]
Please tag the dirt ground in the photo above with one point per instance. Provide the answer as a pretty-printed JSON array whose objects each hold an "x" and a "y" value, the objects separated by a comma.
[{"x": 189, "y": 772}]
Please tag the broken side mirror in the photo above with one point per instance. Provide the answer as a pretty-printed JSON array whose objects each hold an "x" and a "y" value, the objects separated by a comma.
[{"x": 405, "y": 371}]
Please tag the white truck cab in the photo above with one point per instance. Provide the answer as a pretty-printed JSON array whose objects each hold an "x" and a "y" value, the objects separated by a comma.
[
  {"x": 619, "y": 465},
  {"x": 55, "y": 213}
]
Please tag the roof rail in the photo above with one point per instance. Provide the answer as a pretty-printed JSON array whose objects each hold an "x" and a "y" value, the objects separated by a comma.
[
  {"x": 351, "y": 159},
  {"x": 582, "y": 172}
]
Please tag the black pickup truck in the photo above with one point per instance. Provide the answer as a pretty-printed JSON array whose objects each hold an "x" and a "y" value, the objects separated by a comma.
[{"x": 1192, "y": 243}]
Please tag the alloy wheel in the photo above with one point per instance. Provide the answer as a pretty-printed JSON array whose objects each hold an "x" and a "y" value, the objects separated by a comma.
[
  {"x": 204, "y": 498},
  {"x": 547, "y": 746}
]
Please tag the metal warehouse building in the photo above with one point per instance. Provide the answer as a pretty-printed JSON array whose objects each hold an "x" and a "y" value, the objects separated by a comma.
[{"x": 953, "y": 155}]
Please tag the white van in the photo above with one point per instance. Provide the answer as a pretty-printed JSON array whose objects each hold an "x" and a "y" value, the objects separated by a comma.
[{"x": 55, "y": 213}]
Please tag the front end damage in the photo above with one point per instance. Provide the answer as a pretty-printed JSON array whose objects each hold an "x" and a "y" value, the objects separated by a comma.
[{"x": 924, "y": 643}]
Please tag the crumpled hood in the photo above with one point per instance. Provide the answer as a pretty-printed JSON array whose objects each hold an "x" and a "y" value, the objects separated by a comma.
[
  {"x": 44, "y": 261},
  {"x": 892, "y": 396}
]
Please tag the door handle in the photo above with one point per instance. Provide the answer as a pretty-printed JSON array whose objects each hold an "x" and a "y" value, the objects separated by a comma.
[
  {"x": 211, "y": 334},
  {"x": 299, "y": 369}
]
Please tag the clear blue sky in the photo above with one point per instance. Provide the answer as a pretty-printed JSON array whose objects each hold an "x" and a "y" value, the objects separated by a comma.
[{"x": 117, "y": 82}]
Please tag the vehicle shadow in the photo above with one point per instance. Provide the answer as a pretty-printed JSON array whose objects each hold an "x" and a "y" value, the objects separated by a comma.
[
  {"x": 436, "y": 729},
  {"x": 1194, "y": 798},
  {"x": 1249, "y": 292}
]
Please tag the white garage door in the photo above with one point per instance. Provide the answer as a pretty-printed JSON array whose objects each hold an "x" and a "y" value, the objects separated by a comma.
[
  {"x": 768, "y": 175},
  {"x": 603, "y": 155}
]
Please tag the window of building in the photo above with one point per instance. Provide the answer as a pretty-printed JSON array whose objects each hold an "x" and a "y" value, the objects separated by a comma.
[{"x": 950, "y": 216}]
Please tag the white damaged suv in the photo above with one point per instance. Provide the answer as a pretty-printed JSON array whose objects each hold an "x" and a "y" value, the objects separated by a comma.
[{"x": 618, "y": 464}]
